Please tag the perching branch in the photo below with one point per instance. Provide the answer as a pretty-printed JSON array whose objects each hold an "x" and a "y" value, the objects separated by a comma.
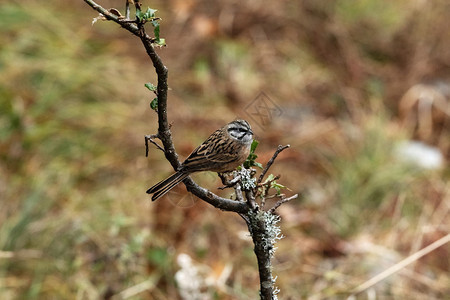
[
  {"x": 261, "y": 224},
  {"x": 271, "y": 161},
  {"x": 164, "y": 133}
]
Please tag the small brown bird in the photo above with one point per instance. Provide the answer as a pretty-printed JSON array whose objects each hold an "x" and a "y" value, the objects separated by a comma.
[{"x": 224, "y": 150}]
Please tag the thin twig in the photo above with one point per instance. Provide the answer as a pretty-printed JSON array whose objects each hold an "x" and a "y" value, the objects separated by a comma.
[
  {"x": 265, "y": 189},
  {"x": 271, "y": 161},
  {"x": 281, "y": 196},
  {"x": 149, "y": 138},
  {"x": 137, "y": 5},
  {"x": 228, "y": 183},
  {"x": 283, "y": 200}
]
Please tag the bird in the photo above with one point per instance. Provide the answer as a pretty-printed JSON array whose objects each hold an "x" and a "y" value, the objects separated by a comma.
[{"x": 223, "y": 151}]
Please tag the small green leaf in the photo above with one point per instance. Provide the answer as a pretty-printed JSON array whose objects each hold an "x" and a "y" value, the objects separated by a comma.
[
  {"x": 250, "y": 162},
  {"x": 150, "y": 13},
  {"x": 277, "y": 186},
  {"x": 139, "y": 15},
  {"x": 161, "y": 42},
  {"x": 154, "y": 104},
  {"x": 156, "y": 31},
  {"x": 155, "y": 24},
  {"x": 255, "y": 144},
  {"x": 151, "y": 87},
  {"x": 247, "y": 164}
]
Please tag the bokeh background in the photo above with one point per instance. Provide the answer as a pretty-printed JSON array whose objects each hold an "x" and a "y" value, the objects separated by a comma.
[{"x": 363, "y": 88}]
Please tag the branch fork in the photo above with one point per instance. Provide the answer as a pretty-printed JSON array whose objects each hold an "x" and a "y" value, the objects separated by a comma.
[{"x": 262, "y": 224}]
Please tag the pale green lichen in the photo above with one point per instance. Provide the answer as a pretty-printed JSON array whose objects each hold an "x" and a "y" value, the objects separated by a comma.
[
  {"x": 271, "y": 234},
  {"x": 247, "y": 181}
]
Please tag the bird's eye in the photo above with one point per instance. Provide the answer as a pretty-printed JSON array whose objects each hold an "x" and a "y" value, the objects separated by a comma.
[{"x": 241, "y": 130}]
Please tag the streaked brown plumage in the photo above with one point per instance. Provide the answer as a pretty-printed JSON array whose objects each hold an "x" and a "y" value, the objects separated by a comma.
[{"x": 224, "y": 150}]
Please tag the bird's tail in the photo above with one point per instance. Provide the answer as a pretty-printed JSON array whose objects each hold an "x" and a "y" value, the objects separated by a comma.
[{"x": 163, "y": 187}]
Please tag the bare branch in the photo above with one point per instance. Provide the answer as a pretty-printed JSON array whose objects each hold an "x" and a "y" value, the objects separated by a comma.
[
  {"x": 271, "y": 161},
  {"x": 265, "y": 187},
  {"x": 281, "y": 201},
  {"x": 150, "y": 138},
  {"x": 164, "y": 133},
  {"x": 238, "y": 192},
  {"x": 228, "y": 183},
  {"x": 213, "y": 199},
  {"x": 125, "y": 23}
]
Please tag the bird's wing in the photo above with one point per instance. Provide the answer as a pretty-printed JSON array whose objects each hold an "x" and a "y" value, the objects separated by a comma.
[{"x": 214, "y": 152}]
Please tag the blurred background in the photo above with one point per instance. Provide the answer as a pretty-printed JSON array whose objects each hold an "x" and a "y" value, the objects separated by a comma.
[{"x": 359, "y": 89}]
